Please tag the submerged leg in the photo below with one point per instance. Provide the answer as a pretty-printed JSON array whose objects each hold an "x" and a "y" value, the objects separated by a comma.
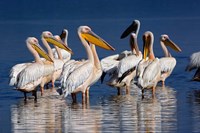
[
  {"x": 83, "y": 97},
  {"x": 42, "y": 90},
  {"x": 87, "y": 93},
  {"x": 46, "y": 85},
  {"x": 25, "y": 97},
  {"x": 35, "y": 95},
  {"x": 153, "y": 91},
  {"x": 53, "y": 83},
  {"x": 142, "y": 93},
  {"x": 163, "y": 83},
  {"x": 128, "y": 90},
  {"x": 118, "y": 91},
  {"x": 73, "y": 97}
]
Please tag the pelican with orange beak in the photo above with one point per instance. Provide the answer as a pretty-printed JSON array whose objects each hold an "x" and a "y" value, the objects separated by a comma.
[
  {"x": 81, "y": 75},
  {"x": 148, "y": 71},
  {"x": 31, "y": 76},
  {"x": 168, "y": 62},
  {"x": 52, "y": 70}
]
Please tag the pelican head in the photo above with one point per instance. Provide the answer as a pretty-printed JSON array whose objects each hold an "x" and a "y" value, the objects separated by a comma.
[
  {"x": 133, "y": 43},
  {"x": 35, "y": 45},
  {"x": 48, "y": 36},
  {"x": 148, "y": 39},
  {"x": 134, "y": 27},
  {"x": 168, "y": 42},
  {"x": 91, "y": 37},
  {"x": 64, "y": 34}
]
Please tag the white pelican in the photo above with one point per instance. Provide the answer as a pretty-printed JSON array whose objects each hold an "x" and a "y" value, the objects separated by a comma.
[
  {"x": 194, "y": 63},
  {"x": 126, "y": 69},
  {"x": 110, "y": 63},
  {"x": 65, "y": 54},
  {"x": 168, "y": 62},
  {"x": 16, "y": 69},
  {"x": 79, "y": 77},
  {"x": 52, "y": 70},
  {"x": 31, "y": 76},
  {"x": 148, "y": 71}
]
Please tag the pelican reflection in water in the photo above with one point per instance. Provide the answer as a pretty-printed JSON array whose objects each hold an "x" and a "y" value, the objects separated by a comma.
[
  {"x": 54, "y": 115},
  {"x": 158, "y": 114},
  {"x": 42, "y": 116}
]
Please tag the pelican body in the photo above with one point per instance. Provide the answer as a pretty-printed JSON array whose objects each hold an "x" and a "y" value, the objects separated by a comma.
[
  {"x": 79, "y": 76},
  {"x": 31, "y": 76},
  {"x": 52, "y": 70},
  {"x": 110, "y": 63},
  {"x": 148, "y": 70},
  {"x": 126, "y": 69},
  {"x": 168, "y": 62}
]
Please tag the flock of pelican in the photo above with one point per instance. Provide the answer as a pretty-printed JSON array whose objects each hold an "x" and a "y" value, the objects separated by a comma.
[{"x": 141, "y": 67}]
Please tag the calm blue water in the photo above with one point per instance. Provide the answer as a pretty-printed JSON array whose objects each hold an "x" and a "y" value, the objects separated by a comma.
[{"x": 176, "y": 107}]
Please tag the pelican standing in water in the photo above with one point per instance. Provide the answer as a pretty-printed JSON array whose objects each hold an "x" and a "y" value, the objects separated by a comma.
[
  {"x": 52, "y": 70},
  {"x": 148, "y": 71},
  {"x": 126, "y": 70},
  {"x": 110, "y": 63},
  {"x": 83, "y": 74},
  {"x": 31, "y": 76},
  {"x": 168, "y": 62},
  {"x": 194, "y": 63}
]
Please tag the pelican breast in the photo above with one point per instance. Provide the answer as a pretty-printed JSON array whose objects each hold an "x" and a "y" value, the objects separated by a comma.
[{"x": 150, "y": 75}]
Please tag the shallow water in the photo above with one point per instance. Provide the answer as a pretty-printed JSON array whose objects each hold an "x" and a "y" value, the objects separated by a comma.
[
  {"x": 176, "y": 107},
  {"x": 110, "y": 113}
]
